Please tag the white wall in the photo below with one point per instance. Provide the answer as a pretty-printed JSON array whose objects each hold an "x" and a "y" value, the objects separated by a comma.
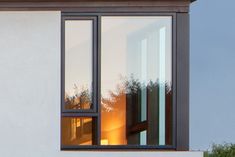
[{"x": 30, "y": 89}]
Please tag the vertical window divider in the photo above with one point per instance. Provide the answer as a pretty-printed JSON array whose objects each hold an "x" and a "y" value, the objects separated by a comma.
[
  {"x": 94, "y": 64},
  {"x": 99, "y": 78},
  {"x": 62, "y": 63},
  {"x": 174, "y": 80},
  {"x": 95, "y": 83},
  {"x": 62, "y": 67}
]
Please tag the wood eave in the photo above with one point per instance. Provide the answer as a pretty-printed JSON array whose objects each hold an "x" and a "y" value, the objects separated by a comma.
[{"x": 95, "y": 5}]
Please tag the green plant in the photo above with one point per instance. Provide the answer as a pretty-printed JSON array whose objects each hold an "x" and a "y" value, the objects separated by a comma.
[{"x": 221, "y": 150}]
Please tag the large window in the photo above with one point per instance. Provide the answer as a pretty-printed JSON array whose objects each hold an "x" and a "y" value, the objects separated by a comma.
[{"x": 117, "y": 82}]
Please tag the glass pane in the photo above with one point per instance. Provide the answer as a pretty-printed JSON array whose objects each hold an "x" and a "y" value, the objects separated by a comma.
[
  {"x": 78, "y": 64},
  {"x": 76, "y": 131},
  {"x": 136, "y": 80}
]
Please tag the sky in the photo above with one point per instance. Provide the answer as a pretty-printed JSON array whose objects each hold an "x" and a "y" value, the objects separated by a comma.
[{"x": 212, "y": 73}]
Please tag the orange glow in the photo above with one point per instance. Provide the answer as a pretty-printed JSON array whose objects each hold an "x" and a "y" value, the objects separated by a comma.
[
  {"x": 76, "y": 131},
  {"x": 104, "y": 142},
  {"x": 86, "y": 143},
  {"x": 113, "y": 122}
]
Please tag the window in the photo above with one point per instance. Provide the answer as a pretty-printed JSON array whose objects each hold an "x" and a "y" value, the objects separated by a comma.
[{"x": 117, "y": 82}]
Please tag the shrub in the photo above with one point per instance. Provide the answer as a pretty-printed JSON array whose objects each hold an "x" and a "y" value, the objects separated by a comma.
[{"x": 225, "y": 150}]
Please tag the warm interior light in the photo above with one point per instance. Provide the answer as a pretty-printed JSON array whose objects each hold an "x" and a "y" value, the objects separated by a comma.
[
  {"x": 77, "y": 131},
  {"x": 86, "y": 143},
  {"x": 104, "y": 142},
  {"x": 113, "y": 122}
]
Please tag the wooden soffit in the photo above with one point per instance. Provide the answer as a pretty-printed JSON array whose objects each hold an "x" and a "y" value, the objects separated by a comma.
[{"x": 82, "y": 5}]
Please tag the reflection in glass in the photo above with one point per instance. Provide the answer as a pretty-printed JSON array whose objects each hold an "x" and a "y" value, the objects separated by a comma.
[
  {"x": 78, "y": 64},
  {"x": 76, "y": 131},
  {"x": 143, "y": 137},
  {"x": 136, "y": 80}
]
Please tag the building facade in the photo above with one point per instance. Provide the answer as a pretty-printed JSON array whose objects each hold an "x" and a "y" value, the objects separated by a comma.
[{"x": 82, "y": 78}]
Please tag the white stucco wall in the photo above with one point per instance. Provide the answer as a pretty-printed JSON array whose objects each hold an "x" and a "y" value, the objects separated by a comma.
[{"x": 30, "y": 89}]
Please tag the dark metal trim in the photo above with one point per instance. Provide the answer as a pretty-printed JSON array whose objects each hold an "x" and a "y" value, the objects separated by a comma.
[
  {"x": 94, "y": 56},
  {"x": 118, "y": 148},
  {"x": 99, "y": 79},
  {"x": 174, "y": 74},
  {"x": 182, "y": 130},
  {"x": 136, "y": 13},
  {"x": 62, "y": 80},
  {"x": 79, "y": 114},
  {"x": 176, "y": 27}
]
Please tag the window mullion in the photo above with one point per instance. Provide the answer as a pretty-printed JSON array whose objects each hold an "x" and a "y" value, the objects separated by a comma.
[{"x": 98, "y": 59}]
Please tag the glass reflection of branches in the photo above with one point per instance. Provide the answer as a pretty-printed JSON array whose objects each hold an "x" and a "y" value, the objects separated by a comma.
[
  {"x": 133, "y": 108},
  {"x": 130, "y": 86},
  {"x": 81, "y": 99},
  {"x": 77, "y": 130}
]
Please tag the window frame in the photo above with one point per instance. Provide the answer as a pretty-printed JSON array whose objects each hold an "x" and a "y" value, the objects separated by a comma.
[
  {"x": 94, "y": 63},
  {"x": 95, "y": 113}
]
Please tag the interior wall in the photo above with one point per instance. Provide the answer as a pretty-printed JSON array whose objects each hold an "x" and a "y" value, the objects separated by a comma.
[{"x": 30, "y": 89}]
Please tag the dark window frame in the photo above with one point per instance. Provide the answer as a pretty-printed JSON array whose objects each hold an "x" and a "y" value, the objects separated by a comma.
[
  {"x": 94, "y": 63},
  {"x": 97, "y": 75}
]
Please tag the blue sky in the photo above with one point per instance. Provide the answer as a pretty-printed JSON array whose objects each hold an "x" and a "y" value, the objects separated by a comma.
[{"x": 212, "y": 91}]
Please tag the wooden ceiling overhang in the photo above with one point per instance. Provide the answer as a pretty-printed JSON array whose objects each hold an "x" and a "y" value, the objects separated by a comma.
[{"x": 96, "y": 5}]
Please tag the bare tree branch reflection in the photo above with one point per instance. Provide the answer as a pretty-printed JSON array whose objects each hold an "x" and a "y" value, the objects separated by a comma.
[{"x": 80, "y": 100}]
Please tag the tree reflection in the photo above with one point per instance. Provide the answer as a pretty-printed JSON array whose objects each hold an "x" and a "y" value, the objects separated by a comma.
[
  {"x": 80, "y": 100},
  {"x": 131, "y": 86},
  {"x": 133, "y": 107}
]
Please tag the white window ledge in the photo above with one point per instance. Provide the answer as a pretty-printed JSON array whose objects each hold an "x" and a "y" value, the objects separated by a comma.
[{"x": 136, "y": 154}]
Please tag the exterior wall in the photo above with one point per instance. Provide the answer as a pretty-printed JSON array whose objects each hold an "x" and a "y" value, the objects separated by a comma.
[{"x": 30, "y": 89}]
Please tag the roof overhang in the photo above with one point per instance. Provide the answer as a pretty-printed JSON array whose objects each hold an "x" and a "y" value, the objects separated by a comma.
[
  {"x": 162, "y": 1},
  {"x": 65, "y": 5}
]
